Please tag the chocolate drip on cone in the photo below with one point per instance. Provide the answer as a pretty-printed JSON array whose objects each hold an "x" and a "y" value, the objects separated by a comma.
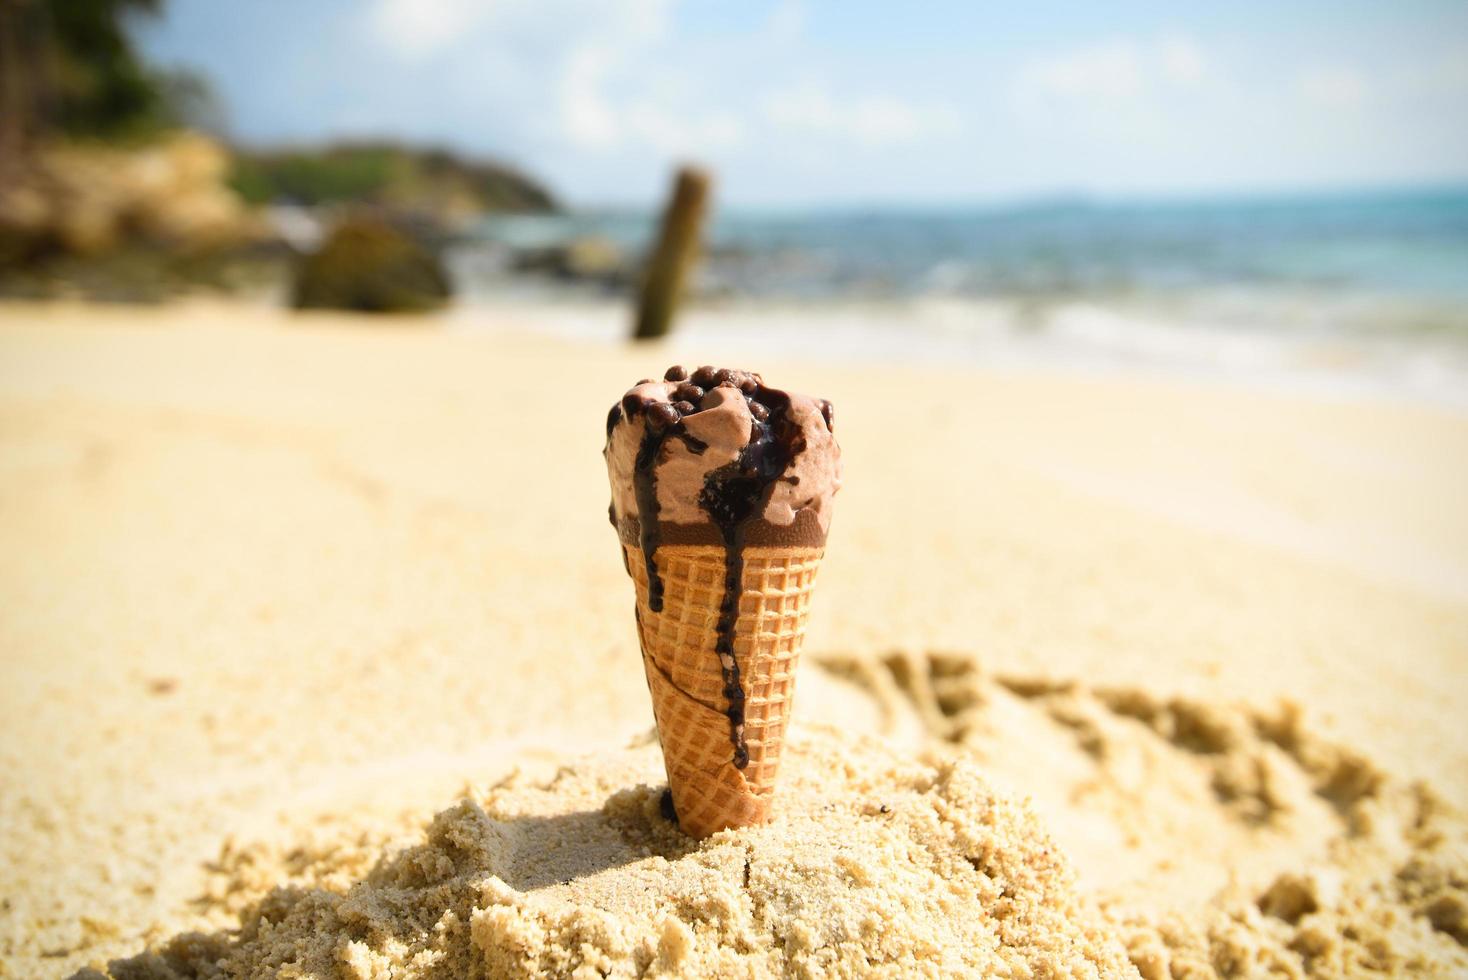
[
  {"x": 662, "y": 423},
  {"x": 733, "y": 496},
  {"x": 647, "y": 503}
]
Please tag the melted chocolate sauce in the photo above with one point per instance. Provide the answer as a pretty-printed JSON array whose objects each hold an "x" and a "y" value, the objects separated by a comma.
[
  {"x": 733, "y": 496},
  {"x": 694, "y": 445},
  {"x": 645, "y": 480}
]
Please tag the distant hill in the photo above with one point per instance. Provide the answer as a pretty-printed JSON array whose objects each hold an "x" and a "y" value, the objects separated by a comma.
[{"x": 432, "y": 181}]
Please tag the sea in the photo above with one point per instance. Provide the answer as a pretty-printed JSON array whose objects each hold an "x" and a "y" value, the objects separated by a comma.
[{"x": 1338, "y": 290}]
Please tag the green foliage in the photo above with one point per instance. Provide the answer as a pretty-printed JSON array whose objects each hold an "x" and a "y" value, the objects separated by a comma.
[
  {"x": 70, "y": 67},
  {"x": 369, "y": 266},
  {"x": 189, "y": 101},
  {"x": 308, "y": 178},
  {"x": 384, "y": 173},
  {"x": 100, "y": 86}
]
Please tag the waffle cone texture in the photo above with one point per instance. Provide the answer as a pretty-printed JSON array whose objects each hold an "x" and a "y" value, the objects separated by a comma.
[{"x": 687, "y": 684}]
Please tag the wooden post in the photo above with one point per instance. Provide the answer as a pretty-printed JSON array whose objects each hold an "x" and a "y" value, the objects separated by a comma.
[{"x": 673, "y": 255}]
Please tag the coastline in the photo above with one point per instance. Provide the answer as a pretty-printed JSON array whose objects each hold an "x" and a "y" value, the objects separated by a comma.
[
  {"x": 277, "y": 575},
  {"x": 1065, "y": 337}
]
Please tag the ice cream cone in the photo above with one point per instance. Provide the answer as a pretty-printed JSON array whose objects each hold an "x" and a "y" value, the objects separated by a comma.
[
  {"x": 721, "y": 495},
  {"x": 710, "y": 792}
]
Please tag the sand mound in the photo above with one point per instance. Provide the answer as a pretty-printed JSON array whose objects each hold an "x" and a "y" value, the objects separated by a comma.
[
  {"x": 878, "y": 864},
  {"x": 1210, "y": 840},
  {"x": 1219, "y": 839}
]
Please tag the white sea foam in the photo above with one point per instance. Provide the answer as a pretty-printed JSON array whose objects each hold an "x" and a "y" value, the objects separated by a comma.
[{"x": 1082, "y": 336}]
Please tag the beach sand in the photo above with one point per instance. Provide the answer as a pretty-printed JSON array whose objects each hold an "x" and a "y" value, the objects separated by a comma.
[{"x": 319, "y": 660}]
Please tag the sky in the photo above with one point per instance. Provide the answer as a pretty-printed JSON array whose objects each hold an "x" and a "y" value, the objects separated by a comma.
[{"x": 794, "y": 103}]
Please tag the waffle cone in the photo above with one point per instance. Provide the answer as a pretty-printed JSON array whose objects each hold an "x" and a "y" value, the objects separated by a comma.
[{"x": 687, "y": 684}]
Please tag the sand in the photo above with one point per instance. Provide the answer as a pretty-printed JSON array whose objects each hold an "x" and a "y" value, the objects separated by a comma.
[{"x": 319, "y": 661}]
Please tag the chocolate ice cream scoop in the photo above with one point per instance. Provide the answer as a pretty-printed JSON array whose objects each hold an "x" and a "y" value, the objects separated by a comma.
[{"x": 716, "y": 456}]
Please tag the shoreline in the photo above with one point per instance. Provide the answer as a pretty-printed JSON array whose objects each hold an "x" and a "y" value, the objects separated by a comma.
[
  {"x": 1078, "y": 338},
  {"x": 956, "y": 334}
]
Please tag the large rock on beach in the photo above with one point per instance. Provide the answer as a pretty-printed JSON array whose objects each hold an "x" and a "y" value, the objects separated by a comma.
[
  {"x": 87, "y": 199},
  {"x": 369, "y": 266}
]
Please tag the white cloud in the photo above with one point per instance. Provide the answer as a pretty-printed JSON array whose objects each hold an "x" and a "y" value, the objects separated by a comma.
[
  {"x": 574, "y": 70},
  {"x": 1182, "y": 59},
  {"x": 869, "y": 121},
  {"x": 586, "y": 118},
  {"x": 676, "y": 132},
  {"x": 599, "y": 96},
  {"x": 1446, "y": 75},
  {"x": 605, "y": 82},
  {"x": 415, "y": 29},
  {"x": 786, "y": 23},
  {"x": 1332, "y": 87},
  {"x": 615, "y": 93},
  {"x": 1113, "y": 71},
  {"x": 1106, "y": 70},
  {"x": 511, "y": 29}
]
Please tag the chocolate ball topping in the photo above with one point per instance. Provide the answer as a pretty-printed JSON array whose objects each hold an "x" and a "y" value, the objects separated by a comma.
[
  {"x": 692, "y": 394},
  {"x": 661, "y": 415}
]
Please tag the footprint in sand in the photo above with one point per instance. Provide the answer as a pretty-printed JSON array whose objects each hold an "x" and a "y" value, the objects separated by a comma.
[{"x": 1217, "y": 835}]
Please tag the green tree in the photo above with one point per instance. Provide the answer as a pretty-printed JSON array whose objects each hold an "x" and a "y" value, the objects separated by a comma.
[
  {"x": 70, "y": 66},
  {"x": 102, "y": 87}
]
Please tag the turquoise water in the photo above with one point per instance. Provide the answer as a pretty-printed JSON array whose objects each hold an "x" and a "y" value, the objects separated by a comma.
[
  {"x": 1405, "y": 247},
  {"x": 1352, "y": 284}
]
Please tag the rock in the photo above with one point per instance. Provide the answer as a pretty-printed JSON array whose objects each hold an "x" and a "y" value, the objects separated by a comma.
[
  {"x": 368, "y": 265},
  {"x": 180, "y": 196},
  {"x": 86, "y": 199},
  {"x": 588, "y": 259}
]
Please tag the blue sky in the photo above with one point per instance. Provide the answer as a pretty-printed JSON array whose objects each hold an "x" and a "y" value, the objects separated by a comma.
[{"x": 801, "y": 103}]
